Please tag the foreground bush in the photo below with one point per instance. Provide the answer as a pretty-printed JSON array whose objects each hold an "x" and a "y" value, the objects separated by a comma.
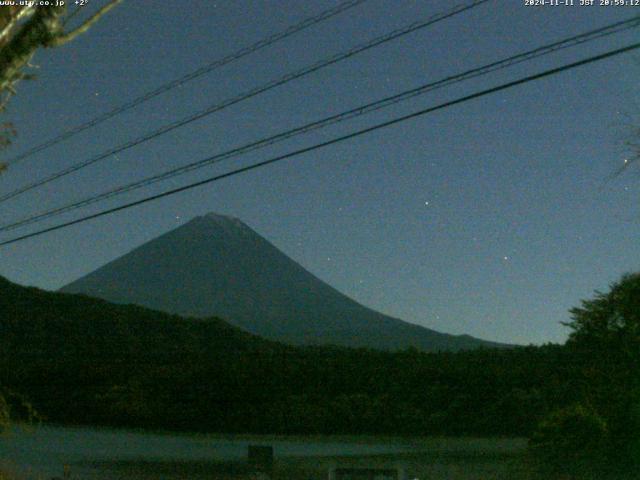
[{"x": 571, "y": 442}]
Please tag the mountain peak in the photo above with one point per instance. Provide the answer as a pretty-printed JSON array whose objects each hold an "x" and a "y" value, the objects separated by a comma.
[
  {"x": 217, "y": 217},
  {"x": 216, "y": 224},
  {"x": 216, "y": 265}
]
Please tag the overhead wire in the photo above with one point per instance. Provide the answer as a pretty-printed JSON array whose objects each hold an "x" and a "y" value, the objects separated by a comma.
[
  {"x": 243, "y": 52},
  {"x": 342, "y": 138},
  {"x": 574, "y": 40},
  {"x": 249, "y": 94}
]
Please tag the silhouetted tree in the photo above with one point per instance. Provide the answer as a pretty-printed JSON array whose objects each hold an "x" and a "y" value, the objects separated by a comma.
[{"x": 606, "y": 339}]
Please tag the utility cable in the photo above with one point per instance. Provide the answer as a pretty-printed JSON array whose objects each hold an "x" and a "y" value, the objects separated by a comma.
[
  {"x": 243, "y": 52},
  {"x": 357, "y": 133},
  {"x": 247, "y": 95},
  {"x": 337, "y": 118}
]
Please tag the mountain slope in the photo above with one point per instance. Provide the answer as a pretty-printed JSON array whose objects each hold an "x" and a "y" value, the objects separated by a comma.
[
  {"x": 217, "y": 266},
  {"x": 35, "y": 321}
]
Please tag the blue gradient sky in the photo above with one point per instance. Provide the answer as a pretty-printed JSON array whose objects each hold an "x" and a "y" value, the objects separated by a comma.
[{"x": 521, "y": 222}]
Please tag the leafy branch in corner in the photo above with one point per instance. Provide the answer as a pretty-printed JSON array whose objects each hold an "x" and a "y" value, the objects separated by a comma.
[{"x": 23, "y": 30}]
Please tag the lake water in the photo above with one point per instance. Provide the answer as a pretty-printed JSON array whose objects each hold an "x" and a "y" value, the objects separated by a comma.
[{"x": 40, "y": 453}]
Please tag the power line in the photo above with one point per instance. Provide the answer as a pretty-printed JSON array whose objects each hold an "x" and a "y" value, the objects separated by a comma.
[
  {"x": 592, "y": 35},
  {"x": 333, "y": 141},
  {"x": 247, "y": 95},
  {"x": 243, "y": 52}
]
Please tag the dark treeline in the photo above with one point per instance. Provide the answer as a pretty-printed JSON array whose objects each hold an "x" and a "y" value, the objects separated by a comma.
[{"x": 84, "y": 361}]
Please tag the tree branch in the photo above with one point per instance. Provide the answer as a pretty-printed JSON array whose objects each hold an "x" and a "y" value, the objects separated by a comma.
[
  {"x": 37, "y": 32},
  {"x": 11, "y": 22},
  {"x": 61, "y": 39}
]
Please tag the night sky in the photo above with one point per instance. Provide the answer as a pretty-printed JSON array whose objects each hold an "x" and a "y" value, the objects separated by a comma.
[{"x": 491, "y": 218}]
